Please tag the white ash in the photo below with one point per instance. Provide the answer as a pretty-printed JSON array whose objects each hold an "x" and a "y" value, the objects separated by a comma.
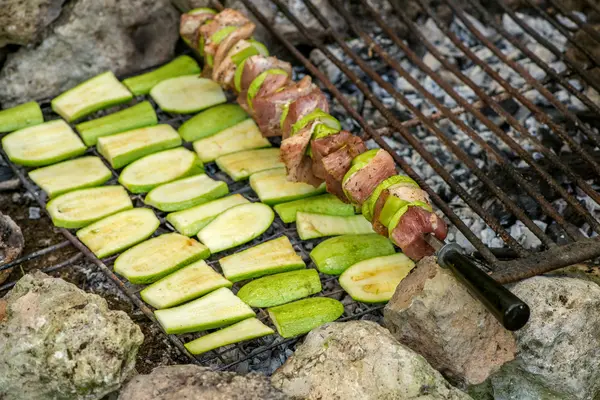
[{"x": 34, "y": 213}]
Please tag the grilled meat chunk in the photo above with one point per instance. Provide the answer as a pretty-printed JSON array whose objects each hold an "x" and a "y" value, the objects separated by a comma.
[
  {"x": 224, "y": 71},
  {"x": 359, "y": 186},
  {"x": 409, "y": 233},
  {"x": 271, "y": 84},
  {"x": 405, "y": 191},
  {"x": 256, "y": 65},
  {"x": 190, "y": 24},
  {"x": 303, "y": 106},
  {"x": 297, "y": 163},
  {"x": 224, "y": 49}
]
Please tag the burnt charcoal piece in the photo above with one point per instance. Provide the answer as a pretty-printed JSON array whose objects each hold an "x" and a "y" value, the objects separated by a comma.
[{"x": 11, "y": 243}]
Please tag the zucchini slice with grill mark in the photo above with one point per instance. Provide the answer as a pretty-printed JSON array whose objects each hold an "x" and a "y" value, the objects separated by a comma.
[
  {"x": 311, "y": 226},
  {"x": 82, "y": 207},
  {"x": 102, "y": 91},
  {"x": 236, "y": 226},
  {"x": 324, "y": 204},
  {"x": 304, "y": 315},
  {"x": 157, "y": 257},
  {"x": 142, "y": 84},
  {"x": 43, "y": 144},
  {"x": 188, "y": 283},
  {"x": 187, "y": 94},
  {"x": 185, "y": 193},
  {"x": 272, "y": 187},
  {"x": 242, "y": 164},
  {"x": 119, "y": 231},
  {"x": 21, "y": 116},
  {"x": 277, "y": 255},
  {"x": 212, "y": 121},
  {"x": 216, "y": 309},
  {"x": 281, "y": 288}
]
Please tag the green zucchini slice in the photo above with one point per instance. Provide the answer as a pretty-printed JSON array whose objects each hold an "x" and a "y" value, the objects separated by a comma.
[
  {"x": 212, "y": 121},
  {"x": 187, "y": 94},
  {"x": 304, "y": 315},
  {"x": 158, "y": 257},
  {"x": 70, "y": 175},
  {"x": 138, "y": 116},
  {"x": 216, "y": 309},
  {"x": 185, "y": 193},
  {"x": 186, "y": 284},
  {"x": 82, "y": 207},
  {"x": 102, "y": 91},
  {"x": 316, "y": 115},
  {"x": 369, "y": 205},
  {"x": 123, "y": 148},
  {"x": 151, "y": 171},
  {"x": 182, "y": 65},
  {"x": 236, "y": 226},
  {"x": 242, "y": 136},
  {"x": 242, "y": 164},
  {"x": 311, "y": 226},
  {"x": 272, "y": 187},
  {"x": 43, "y": 144},
  {"x": 324, "y": 204},
  {"x": 277, "y": 255},
  {"x": 334, "y": 255},
  {"x": 247, "y": 329},
  {"x": 237, "y": 77},
  {"x": 21, "y": 116},
  {"x": 119, "y": 231},
  {"x": 375, "y": 280},
  {"x": 278, "y": 289},
  {"x": 189, "y": 222}
]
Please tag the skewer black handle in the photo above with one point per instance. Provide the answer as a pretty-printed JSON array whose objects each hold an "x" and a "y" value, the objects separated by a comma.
[{"x": 512, "y": 312}]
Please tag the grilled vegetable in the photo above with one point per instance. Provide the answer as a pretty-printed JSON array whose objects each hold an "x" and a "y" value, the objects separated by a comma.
[
  {"x": 119, "y": 231},
  {"x": 212, "y": 121},
  {"x": 242, "y": 136},
  {"x": 242, "y": 164},
  {"x": 187, "y": 94},
  {"x": 237, "y": 77},
  {"x": 189, "y": 222},
  {"x": 256, "y": 84},
  {"x": 256, "y": 48},
  {"x": 277, "y": 255},
  {"x": 151, "y": 171},
  {"x": 236, "y": 226},
  {"x": 158, "y": 257},
  {"x": 95, "y": 94},
  {"x": 138, "y": 116},
  {"x": 185, "y": 193},
  {"x": 311, "y": 226},
  {"x": 124, "y": 148},
  {"x": 333, "y": 256},
  {"x": 186, "y": 284},
  {"x": 304, "y": 315},
  {"x": 316, "y": 115},
  {"x": 21, "y": 116},
  {"x": 182, "y": 65},
  {"x": 368, "y": 206},
  {"x": 216, "y": 309},
  {"x": 272, "y": 187},
  {"x": 42, "y": 144},
  {"x": 375, "y": 280},
  {"x": 82, "y": 207},
  {"x": 324, "y": 204},
  {"x": 282, "y": 288}
]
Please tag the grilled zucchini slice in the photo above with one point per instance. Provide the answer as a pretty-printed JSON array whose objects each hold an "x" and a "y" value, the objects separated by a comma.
[
  {"x": 272, "y": 187},
  {"x": 304, "y": 315},
  {"x": 212, "y": 121},
  {"x": 187, "y": 94},
  {"x": 278, "y": 289},
  {"x": 185, "y": 193},
  {"x": 324, "y": 204},
  {"x": 242, "y": 164},
  {"x": 311, "y": 226},
  {"x": 182, "y": 65},
  {"x": 21, "y": 116}
]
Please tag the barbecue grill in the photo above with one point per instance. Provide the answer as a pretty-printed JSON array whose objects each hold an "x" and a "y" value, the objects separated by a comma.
[{"x": 509, "y": 263}]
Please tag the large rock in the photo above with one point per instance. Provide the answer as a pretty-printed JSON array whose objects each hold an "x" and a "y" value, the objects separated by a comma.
[
  {"x": 434, "y": 314},
  {"x": 359, "y": 360},
  {"x": 11, "y": 243},
  {"x": 58, "y": 342},
  {"x": 192, "y": 382},
  {"x": 23, "y": 21}
]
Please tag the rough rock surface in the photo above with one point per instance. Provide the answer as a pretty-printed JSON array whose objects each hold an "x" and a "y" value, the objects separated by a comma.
[
  {"x": 58, "y": 342},
  {"x": 22, "y": 22},
  {"x": 359, "y": 360},
  {"x": 11, "y": 243},
  {"x": 192, "y": 382}
]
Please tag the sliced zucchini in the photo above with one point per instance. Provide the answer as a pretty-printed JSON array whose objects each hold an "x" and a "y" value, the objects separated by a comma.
[
  {"x": 277, "y": 255},
  {"x": 316, "y": 115},
  {"x": 201, "y": 10},
  {"x": 242, "y": 136},
  {"x": 158, "y": 257},
  {"x": 182, "y": 65},
  {"x": 138, "y": 116},
  {"x": 272, "y": 187},
  {"x": 368, "y": 206},
  {"x": 82, "y": 207},
  {"x": 236, "y": 226},
  {"x": 304, "y": 315},
  {"x": 324, "y": 204},
  {"x": 237, "y": 77},
  {"x": 334, "y": 255},
  {"x": 185, "y": 193},
  {"x": 189, "y": 222},
  {"x": 242, "y": 164},
  {"x": 216, "y": 309},
  {"x": 256, "y": 48},
  {"x": 124, "y": 148},
  {"x": 278, "y": 289},
  {"x": 375, "y": 280},
  {"x": 311, "y": 226},
  {"x": 186, "y": 284},
  {"x": 247, "y": 329},
  {"x": 21, "y": 116},
  {"x": 71, "y": 175},
  {"x": 151, "y": 171},
  {"x": 102, "y": 91},
  {"x": 187, "y": 94},
  {"x": 212, "y": 121},
  {"x": 119, "y": 231},
  {"x": 43, "y": 144}
]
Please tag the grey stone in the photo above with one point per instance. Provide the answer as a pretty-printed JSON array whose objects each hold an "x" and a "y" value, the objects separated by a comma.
[
  {"x": 11, "y": 243},
  {"x": 58, "y": 342},
  {"x": 23, "y": 21},
  {"x": 359, "y": 360}
]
